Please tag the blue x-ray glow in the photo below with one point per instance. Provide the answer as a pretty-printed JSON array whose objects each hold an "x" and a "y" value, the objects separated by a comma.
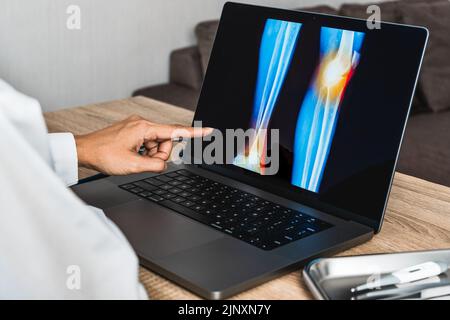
[
  {"x": 339, "y": 58},
  {"x": 278, "y": 44}
]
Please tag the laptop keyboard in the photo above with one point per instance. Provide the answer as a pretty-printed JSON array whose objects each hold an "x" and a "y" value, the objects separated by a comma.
[{"x": 240, "y": 214}]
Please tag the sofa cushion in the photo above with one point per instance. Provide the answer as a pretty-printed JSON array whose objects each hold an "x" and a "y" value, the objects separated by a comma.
[
  {"x": 426, "y": 148},
  {"x": 206, "y": 33},
  {"x": 435, "y": 75},
  {"x": 185, "y": 68}
]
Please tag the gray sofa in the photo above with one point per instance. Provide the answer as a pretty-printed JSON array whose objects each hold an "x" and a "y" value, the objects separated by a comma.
[{"x": 426, "y": 147}]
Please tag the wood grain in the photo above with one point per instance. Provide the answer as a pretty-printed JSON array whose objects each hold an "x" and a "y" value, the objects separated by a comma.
[{"x": 417, "y": 217}]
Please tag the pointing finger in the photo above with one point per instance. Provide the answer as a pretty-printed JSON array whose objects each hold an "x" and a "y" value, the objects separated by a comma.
[{"x": 165, "y": 132}]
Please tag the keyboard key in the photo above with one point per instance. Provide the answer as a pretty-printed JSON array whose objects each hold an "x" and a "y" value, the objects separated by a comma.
[
  {"x": 229, "y": 231},
  {"x": 198, "y": 208},
  {"x": 168, "y": 196},
  {"x": 255, "y": 214},
  {"x": 289, "y": 238},
  {"x": 185, "y": 211},
  {"x": 207, "y": 212},
  {"x": 188, "y": 203},
  {"x": 249, "y": 205},
  {"x": 214, "y": 225},
  {"x": 254, "y": 240},
  {"x": 154, "y": 182},
  {"x": 251, "y": 231},
  {"x": 280, "y": 241},
  {"x": 185, "y": 173},
  {"x": 155, "y": 198},
  {"x": 137, "y": 190},
  {"x": 127, "y": 186},
  {"x": 185, "y": 194},
  {"x": 178, "y": 199},
  {"x": 164, "y": 178},
  {"x": 146, "y": 186},
  {"x": 175, "y": 190},
  {"x": 172, "y": 175},
  {"x": 145, "y": 194}
]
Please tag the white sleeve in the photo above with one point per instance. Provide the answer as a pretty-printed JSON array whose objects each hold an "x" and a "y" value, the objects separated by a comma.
[
  {"x": 63, "y": 151},
  {"x": 52, "y": 246}
]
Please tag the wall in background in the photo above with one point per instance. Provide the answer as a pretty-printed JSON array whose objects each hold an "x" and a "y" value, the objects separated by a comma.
[{"x": 122, "y": 44}]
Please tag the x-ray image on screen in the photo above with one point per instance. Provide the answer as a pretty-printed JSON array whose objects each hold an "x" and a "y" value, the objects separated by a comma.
[
  {"x": 318, "y": 112},
  {"x": 277, "y": 47},
  {"x": 339, "y": 57}
]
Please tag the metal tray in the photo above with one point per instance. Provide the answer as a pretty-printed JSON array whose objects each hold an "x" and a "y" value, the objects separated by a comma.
[{"x": 332, "y": 278}]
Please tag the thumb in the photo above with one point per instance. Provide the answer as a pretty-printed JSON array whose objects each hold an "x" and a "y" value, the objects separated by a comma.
[{"x": 147, "y": 164}]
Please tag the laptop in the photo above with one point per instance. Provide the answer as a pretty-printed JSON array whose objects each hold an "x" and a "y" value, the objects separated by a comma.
[{"x": 336, "y": 93}]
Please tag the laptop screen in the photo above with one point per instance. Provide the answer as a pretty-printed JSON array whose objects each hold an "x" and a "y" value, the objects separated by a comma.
[{"x": 330, "y": 96}]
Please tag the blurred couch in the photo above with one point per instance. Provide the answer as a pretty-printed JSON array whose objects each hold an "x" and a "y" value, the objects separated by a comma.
[{"x": 426, "y": 147}]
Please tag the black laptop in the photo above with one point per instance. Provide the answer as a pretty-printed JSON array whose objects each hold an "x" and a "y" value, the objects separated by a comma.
[{"x": 339, "y": 95}]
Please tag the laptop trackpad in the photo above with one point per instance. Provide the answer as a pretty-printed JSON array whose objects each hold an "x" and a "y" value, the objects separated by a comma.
[{"x": 157, "y": 232}]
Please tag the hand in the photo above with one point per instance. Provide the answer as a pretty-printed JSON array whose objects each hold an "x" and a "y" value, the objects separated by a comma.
[{"x": 114, "y": 150}]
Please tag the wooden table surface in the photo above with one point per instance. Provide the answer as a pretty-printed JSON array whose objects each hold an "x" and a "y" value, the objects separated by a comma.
[{"x": 417, "y": 217}]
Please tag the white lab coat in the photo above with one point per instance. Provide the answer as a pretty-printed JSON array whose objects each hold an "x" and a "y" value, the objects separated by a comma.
[{"x": 53, "y": 246}]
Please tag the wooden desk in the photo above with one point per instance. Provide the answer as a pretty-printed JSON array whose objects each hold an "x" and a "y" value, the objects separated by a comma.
[{"x": 417, "y": 218}]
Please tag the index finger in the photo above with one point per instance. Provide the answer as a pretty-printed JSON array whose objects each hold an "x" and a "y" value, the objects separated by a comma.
[{"x": 166, "y": 132}]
